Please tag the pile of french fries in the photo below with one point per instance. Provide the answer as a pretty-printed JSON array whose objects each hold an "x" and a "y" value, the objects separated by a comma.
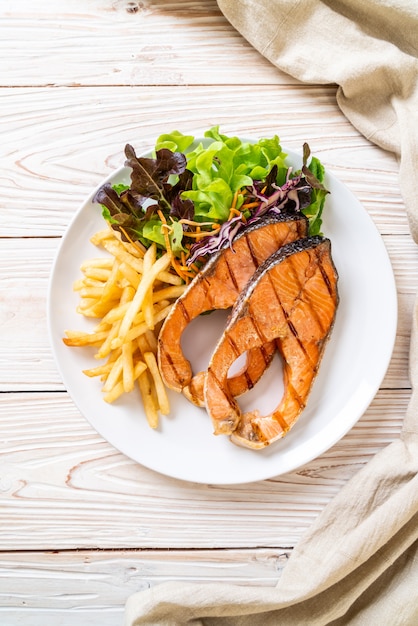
[{"x": 131, "y": 292}]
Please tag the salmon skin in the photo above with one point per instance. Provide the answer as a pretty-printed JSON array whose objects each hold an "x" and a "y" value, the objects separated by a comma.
[
  {"x": 292, "y": 300},
  {"x": 217, "y": 286}
]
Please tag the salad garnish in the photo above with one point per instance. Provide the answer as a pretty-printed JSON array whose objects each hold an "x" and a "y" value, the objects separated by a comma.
[{"x": 191, "y": 199}]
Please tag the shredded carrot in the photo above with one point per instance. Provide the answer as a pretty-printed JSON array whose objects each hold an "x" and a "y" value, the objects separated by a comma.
[
  {"x": 194, "y": 267},
  {"x": 161, "y": 216},
  {"x": 234, "y": 212},
  {"x": 137, "y": 245},
  {"x": 179, "y": 270},
  {"x": 200, "y": 235},
  {"x": 250, "y": 205},
  {"x": 193, "y": 223},
  {"x": 235, "y": 199},
  {"x": 191, "y": 270},
  {"x": 186, "y": 253},
  {"x": 165, "y": 231}
]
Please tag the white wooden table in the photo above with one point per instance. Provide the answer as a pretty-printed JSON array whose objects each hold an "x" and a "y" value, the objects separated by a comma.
[{"x": 81, "y": 526}]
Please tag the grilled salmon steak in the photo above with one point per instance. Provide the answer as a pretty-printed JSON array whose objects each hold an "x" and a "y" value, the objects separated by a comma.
[
  {"x": 291, "y": 300},
  {"x": 217, "y": 286}
]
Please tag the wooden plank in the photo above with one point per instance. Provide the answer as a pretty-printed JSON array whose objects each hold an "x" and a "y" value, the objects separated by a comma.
[
  {"x": 63, "y": 487},
  {"x": 126, "y": 43},
  {"x": 81, "y": 80},
  {"x": 91, "y": 587},
  {"x": 55, "y": 152}
]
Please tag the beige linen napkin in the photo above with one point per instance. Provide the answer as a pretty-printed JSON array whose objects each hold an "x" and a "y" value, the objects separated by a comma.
[{"x": 358, "y": 564}]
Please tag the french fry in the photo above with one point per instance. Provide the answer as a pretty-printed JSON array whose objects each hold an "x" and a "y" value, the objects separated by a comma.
[
  {"x": 99, "y": 309},
  {"x": 116, "y": 314},
  {"x": 127, "y": 295},
  {"x": 119, "y": 388},
  {"x": 117, "y": 250},
  {"x": 149, "y": 261},
  {"x": 139, "y": 368},
  {"x": 150, "y": 408},
  {"x": 136, "y": 249},
  {"x": 97, "y": 273},
  {"x": 101, "y": 370},
  {"x": 146, "y": 283},
  {"x": 79, "y": 284},
  {"x": 111, "y": 288},
  {"x": 90, "y": 282},
  {"x": 162, "y": 397},
  {"x": 130, "y": 274},
  {"x": 100, "y": 236},
  {"x": 152, "y": 341},
  {"x": 141, "y": 327},
  {"x": 127, "y": 367},
  {"x": 142, "y": 343},
  {"x": 169, "y": 278},
  {"x": 75, "y": 338},
  {"x": 106, "y": 347},
  {"x": 92, "y": 292},
  {"x": 173, "y": 292},
  {"x": 101, "y": 262},
  {"x": 85, "y": 305},
  {"x": 114, "y": 393},
  {"x": 114, "y": 375}
]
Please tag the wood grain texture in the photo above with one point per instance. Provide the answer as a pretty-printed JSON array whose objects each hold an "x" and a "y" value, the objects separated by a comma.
[
  {"x": 91, "y": 587},
  {"x": 118, "y": 42},
  {"x": 62, "y": 486}
]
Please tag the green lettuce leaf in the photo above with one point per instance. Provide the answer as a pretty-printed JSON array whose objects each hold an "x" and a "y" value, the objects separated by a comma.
[
  {"x": 152, "y": 231},
  {"x": 314, "y": 174}
]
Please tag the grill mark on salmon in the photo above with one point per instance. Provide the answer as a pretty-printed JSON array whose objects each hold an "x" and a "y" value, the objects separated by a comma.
[
  {"x": 253, "y": 251},
  {"x": 206, "y": 288},
  {"x": 291, "y": 299},
  {"x": 230, "y": 270},
  {"x": 184, "y": 312},
  {"x": 218, "y": 286}
]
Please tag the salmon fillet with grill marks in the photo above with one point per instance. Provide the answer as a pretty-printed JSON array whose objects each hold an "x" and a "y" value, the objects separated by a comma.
[
  {"x": 292, "y": 299},
  {"x": 218, "y": 286}
]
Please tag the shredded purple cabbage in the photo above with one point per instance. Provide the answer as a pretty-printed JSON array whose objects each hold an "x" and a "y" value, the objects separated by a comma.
[
  {"x": 295, "y": 193},
  {"x": 214, "y": 243}
]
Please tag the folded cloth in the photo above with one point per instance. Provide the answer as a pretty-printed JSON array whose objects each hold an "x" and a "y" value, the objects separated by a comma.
[{"x": 358, "y": 563}]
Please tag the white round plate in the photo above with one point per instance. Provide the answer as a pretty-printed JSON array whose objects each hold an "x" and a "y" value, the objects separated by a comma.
[{"x": 184, "y": 447}]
